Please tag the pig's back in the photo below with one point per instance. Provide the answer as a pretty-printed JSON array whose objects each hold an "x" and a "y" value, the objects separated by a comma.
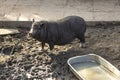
[
  {"x": 65, "y": 30},
  {"x": 73, "y": 23}
]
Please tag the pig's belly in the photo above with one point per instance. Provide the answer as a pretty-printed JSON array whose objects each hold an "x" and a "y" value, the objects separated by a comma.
[{"x": 66, "y": 39}]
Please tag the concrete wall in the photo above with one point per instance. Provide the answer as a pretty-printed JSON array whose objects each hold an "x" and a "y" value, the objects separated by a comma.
[{"x": 90, "y": 10}]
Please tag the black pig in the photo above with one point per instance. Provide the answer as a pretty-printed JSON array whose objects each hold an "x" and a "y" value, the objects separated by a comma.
[{"x": 59, "y": 32}]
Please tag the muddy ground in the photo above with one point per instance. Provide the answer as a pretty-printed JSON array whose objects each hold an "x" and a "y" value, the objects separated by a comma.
[{"x": 21, "y": 58}]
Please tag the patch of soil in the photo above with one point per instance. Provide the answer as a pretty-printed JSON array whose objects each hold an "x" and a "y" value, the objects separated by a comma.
[{"x": 28, "y": 62}]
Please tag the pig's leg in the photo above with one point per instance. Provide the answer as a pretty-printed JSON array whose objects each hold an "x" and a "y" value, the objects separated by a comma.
[
  {"x": 82, "y": 41},
  {"x": 43, "y": 44},
  {"x": 51, "y": 45}
]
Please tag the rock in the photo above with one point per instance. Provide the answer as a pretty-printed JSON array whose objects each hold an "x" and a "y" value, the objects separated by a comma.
[
  {"x": 18, "y": 48},
  {"x": 49, "y": 79},
  {"x": 19, "y": 57},
  {"x": 29, "y": 75},
  {"x": 8, "y": 38},
  {"x": 2, "y": 65},
  {"x": 27, "y": 56},
  {"x": 9, "y": 62},
  {"x": 28, "y": 46},
  {"x": 7, "y": 49},
  {"x": 1, "y": 39},
  {"x": 27, "y": 66}
]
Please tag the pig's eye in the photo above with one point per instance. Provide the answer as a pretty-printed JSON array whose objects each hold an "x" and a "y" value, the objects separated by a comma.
[{"x": 35, "y": 26}]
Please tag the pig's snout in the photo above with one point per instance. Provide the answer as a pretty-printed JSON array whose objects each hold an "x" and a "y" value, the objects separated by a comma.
[{"x": 30, "y": 32}]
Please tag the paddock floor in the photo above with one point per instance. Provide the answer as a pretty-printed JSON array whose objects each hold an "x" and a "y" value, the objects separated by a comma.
[{"x": 28, "y": 62}]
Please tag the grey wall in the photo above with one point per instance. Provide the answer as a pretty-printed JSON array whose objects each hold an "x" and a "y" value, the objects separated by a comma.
[{"x": 90, "y": 10}]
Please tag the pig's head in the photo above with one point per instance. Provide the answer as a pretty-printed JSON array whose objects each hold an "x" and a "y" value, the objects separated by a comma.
[{"x": 37, "y": 28}]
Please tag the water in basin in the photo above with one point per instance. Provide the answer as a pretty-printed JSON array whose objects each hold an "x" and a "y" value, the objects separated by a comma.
[{"x": 93, "y": 71}]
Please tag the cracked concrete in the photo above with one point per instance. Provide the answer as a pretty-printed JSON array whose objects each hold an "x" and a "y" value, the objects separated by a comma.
[{"x": 90, "y": 10}]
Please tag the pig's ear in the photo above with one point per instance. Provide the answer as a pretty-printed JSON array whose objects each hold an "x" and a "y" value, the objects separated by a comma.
[
  {"x": 33, "y": 20},
  {"x": 42, "y": 24}
]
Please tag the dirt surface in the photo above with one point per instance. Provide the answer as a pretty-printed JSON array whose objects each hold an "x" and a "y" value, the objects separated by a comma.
[{"x": 26, "y": 61}]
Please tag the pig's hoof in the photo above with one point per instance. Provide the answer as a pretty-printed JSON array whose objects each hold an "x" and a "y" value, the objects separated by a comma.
[{"x": 83, "y": 45}]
